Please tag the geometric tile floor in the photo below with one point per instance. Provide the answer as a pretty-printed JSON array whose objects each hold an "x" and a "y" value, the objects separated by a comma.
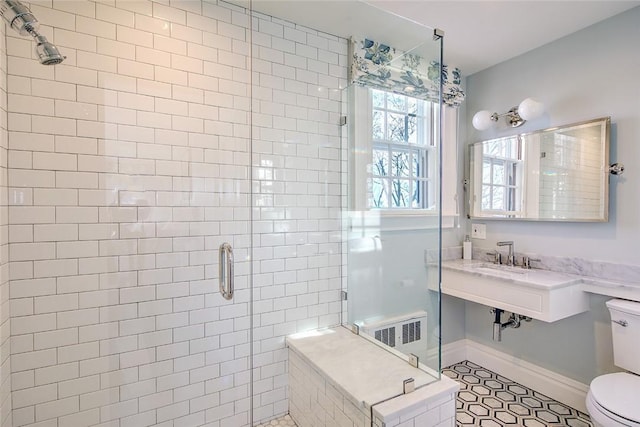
[
  {"x": 285, "y": 421},
  {"x": 489, "y": 400}
]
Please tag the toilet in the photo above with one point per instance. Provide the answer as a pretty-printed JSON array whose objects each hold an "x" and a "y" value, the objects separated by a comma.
[{"x": 614, "y": 399}]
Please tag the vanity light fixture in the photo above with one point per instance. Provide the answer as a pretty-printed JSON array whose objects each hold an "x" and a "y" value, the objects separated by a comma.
[{"x": 528, "y": 109}]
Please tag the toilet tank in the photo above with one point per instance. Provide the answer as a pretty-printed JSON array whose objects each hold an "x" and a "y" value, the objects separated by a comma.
[{"x": 625, "y": 330}]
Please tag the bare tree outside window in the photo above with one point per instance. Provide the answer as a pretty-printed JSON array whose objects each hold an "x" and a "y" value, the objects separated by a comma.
[{"x": 403, "y": 142}]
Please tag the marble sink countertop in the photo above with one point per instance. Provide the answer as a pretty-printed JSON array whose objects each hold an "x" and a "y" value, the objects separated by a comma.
[
  {"x": 338, "y": 354},
  {"x": 625, "y": 285},
  {"x": 534, "y": 278}
]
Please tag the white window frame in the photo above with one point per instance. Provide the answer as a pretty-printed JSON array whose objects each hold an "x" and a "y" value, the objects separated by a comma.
[
  {"x": 517, "y": 186},
  {"x": 361, "y": 145},
  {"x": 426, "y": 152}
]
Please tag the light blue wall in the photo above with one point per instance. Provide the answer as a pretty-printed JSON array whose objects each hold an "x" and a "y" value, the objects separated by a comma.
[{"x": 592, "y": 73}]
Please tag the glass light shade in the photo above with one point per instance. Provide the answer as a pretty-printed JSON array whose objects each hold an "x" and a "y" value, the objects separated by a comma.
[
  {"x": 530, "y": 109},
  {"x": 482, "y": 120}
]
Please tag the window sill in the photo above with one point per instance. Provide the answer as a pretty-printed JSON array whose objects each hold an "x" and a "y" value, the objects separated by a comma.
[
  {"x": 427, "y": 213},
  {"x": 405, "y": 220}
]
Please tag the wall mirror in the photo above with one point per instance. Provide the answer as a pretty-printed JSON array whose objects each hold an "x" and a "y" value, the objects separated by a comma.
[{"x": 557, "y": 174}]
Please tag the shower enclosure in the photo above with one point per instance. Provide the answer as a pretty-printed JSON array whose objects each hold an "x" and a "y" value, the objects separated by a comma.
[
  {"x": 392, "y": 212},
  {"x": 183, "y": 149}
]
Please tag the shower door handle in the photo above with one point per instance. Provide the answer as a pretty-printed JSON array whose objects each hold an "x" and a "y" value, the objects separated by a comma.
[{"x": 225, "y": 270}]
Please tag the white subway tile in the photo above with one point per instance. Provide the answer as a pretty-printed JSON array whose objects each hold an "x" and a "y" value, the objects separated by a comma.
[
  {"x": 95, "y": 197},
  {"x": 78, "y": 352},
  {"x": 107, "y": 297},
  {"x": 80, "y": 419},
  {"x": 31, "y": 324},
  {"x": 118, "y": 410},
  {"x": 55, "y": 303},
  {"x": 55, "y": 232},
  {"x": 45, "y": 411},
  {"x": 75, "y": 40},
  {"x": 137, "y": 326},
  {"x": 99, "y": 365},
  {"x": 25, "y": 67},
  {"x": 94, "y": 61},
  {"x": 103, "y": 331},
  {"x": 98, "y": 231},
  {"x": 154, "y": 339},
  {"x": 57, "y": 373},
  {"x": 34, "y": 395},
  {"x": 118, "y": 345},
  {"x": 134, "y": 36},
  {"x": 34, "y": 360},
  {"x": 137, "y": 358},
  {"x": 54, "y": 126},
  {"x": 31, "y": 178},
  {"x": 76, "y": 249},
  {"x": 70, "y": 319},
  {"x": 119, "y": 377},
  {"x": 99, "y": 96},
  {"x": 138, "y": 389},
  {"x": 55, "y": 197},
  {"x": 169, "y": 75},
  {"x": 32, "y": 251},
  {"x": 110, "y": 80},
  {"x": 76, "y": 110},
  {"x": 57, "y": 338},
  {"x": 118, "y": 312},
  {"x": 77, "y": 283},
  {"x": 115, "y": 48},
  {"x": 135, "y": 69},
  {"x": 95, "y": 27},
  {"x": 117, "y": 15},
  {"x": 100, "y": 398},
  {"x": 30, "y": 105},
  {"x": 66, "y": 215},
  {"x": 154, "y": 88}
]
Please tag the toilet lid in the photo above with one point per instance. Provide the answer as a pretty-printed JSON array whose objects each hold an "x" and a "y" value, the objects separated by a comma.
[{"x": 618, "y": 393}]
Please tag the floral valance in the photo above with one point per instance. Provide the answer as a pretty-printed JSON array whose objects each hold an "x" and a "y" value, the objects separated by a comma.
[{"x": 381, "y": 66}]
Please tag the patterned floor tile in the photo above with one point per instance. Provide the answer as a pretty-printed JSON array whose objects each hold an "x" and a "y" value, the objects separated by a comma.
[
  {"x": 285, "y": 421},
  {"x": 489, "y": 400}
]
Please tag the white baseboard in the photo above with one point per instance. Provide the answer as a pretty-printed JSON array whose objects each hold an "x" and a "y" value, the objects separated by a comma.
[
  {"x": 558, "y": 387},
  {"x": 454, "y": 352}
]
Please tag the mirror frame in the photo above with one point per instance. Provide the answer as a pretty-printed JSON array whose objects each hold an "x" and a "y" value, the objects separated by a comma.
[{"x": 606, "y": 121}]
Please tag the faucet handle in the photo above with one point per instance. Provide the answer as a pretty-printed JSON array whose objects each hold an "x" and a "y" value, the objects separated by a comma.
[
  {"x": 497, "y": 257},
  {"x": 526, "y": 261}
]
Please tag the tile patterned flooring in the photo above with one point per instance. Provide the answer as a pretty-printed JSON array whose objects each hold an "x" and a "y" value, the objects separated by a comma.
[
  {"x": 285, "y": 421},
  {"x": 487, "y": 399}
]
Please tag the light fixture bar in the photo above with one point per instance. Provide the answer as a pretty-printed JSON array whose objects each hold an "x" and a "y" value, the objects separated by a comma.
[{"x": 527, "y": 110}]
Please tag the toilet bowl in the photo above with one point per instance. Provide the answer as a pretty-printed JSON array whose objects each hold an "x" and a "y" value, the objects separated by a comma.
[{"x": 614, "y": 400}]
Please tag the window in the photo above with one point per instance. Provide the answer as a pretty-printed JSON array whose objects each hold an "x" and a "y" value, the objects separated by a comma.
[
  {"x": 501, "y": 175},
  {"x": 403, "y": 152},
  {"x": 394, "y": 157}
]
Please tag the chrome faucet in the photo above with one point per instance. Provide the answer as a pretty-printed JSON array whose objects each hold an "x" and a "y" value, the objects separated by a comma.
[{"x": 511, "y": 257}]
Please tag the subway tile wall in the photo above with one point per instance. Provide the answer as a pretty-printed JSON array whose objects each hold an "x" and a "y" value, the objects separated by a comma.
[
  {"x": 5, "y": 313},
  {"x": 298, "y": 74},
  {"x": 128, "y": 165},
  {"x": 571, "y": 182}
]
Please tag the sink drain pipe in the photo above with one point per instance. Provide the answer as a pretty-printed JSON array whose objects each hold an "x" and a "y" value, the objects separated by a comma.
[{"x": 513, "y": 322}]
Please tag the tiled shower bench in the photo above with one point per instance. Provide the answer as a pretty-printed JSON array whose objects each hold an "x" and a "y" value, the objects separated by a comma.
[{"x": 337, "y": 378}]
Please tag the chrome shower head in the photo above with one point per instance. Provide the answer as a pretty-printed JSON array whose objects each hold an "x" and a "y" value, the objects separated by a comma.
[
  {"x": 22, "y": 20},
  {"x": 48, "y": 53}
]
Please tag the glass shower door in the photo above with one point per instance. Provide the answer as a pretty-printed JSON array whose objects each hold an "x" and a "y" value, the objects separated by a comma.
[{"x": 392, "y": 225}]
